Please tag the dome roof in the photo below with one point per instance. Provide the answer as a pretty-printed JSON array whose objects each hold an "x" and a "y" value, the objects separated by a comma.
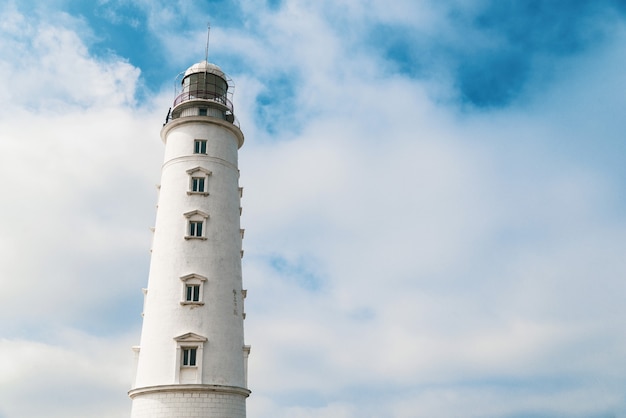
[{"x": 205, "y": 66}]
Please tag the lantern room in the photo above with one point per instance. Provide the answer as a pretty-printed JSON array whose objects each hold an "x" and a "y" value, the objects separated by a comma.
[{"x": 204, "y": 90}]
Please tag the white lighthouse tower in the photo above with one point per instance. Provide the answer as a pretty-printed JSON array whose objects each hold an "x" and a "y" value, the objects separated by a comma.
[{"x": 192, "y": 359}]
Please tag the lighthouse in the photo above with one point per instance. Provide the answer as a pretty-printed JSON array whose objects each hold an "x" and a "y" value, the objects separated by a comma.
[{"x": 192, "y": 358}]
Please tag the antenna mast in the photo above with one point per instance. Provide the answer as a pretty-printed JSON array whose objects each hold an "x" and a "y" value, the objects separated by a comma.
[{"x": 208, "y": 33}]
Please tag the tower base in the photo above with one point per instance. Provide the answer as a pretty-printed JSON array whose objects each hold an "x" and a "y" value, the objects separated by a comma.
[{"x": 202, "y": 401}]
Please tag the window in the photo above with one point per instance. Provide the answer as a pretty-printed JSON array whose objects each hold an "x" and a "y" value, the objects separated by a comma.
[
  {"x": 192, "y": 290},
  {"x": 189, "y": 349},
  {"x": 195, "y": 228},
  {"x": 188, "y": 367},
  {"x": 193, "y": 293},
  {"x": 202, "y": 112},
  {"x": 199, "y": 146},
  {"x": 198, "y": 181},
  {"x": 195, "y": 224},
  {"x": 189, "y": 356},
  {"x": 205, "y": 85},
  {"x": 197, "y": 184}
]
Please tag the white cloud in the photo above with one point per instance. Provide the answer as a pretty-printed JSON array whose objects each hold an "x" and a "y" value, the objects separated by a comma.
[
  {"x": 74, "y": 174},
  {"x": 77, "y": 159},
  {"x": 79, "y": 376},
  {"x": 49, "y": 67},
  {"x": 475, "y": 249}
]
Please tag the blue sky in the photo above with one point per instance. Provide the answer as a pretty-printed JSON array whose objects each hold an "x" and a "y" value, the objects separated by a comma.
[{"x": 433, "y": 201}]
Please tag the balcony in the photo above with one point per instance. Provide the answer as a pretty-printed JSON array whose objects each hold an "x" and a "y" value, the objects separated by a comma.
[{"x": 210, "y": 96}]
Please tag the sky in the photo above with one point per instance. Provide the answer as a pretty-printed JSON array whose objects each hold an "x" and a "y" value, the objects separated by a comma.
[{"x": 434, "y": 201}]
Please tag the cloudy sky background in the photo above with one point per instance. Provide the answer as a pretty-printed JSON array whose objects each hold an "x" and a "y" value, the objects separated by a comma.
[{"x": 434, "y": 201}]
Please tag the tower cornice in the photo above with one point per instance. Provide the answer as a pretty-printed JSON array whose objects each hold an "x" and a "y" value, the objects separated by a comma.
[
  {"x": 202, "y": 119},
  {"x": 190, "y": 388}
]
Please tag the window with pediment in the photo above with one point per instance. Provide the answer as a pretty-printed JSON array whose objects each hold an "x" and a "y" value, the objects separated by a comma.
[
  {"x": 189, "y": 354},
  {"x": 196, "y": 224},
  {"x": 198, "y": 181},
  {"x": 192, "y": 290}
]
